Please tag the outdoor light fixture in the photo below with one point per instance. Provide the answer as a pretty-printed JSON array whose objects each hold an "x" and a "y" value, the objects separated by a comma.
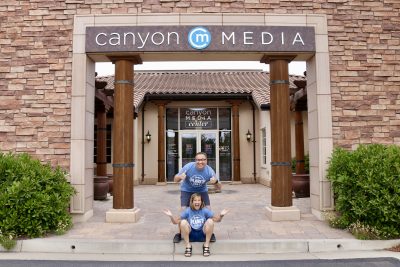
[
  {"x": 248, "y": 135},
  {"x": 148, "y": 136}
]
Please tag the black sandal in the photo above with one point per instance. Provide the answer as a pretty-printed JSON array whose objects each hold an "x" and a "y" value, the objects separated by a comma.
[
  {"x": 206, "y": 251},
  {"x": 213, "y": 239},
  {"x": 188, "y": 251},
  {"x": 177, "y": 238}
]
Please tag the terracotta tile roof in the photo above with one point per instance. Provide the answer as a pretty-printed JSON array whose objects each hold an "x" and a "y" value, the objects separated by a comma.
[{"x": 192, "y": 83}]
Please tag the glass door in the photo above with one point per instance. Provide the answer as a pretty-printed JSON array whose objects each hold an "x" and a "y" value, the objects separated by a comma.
[
  {"x": 188, "y": 147},
  {"x": 208, "y": 144},
  {"x": 192, "y": 142}
]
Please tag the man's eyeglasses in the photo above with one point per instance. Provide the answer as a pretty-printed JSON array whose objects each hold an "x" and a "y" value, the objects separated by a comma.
[{"x": 200, "y": 159}]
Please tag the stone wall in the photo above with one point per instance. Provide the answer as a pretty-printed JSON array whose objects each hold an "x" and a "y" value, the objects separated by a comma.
[{"x": 36, "y": 60}]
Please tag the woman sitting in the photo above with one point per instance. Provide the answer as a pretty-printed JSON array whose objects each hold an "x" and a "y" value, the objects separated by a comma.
[{"x": 196, "y": 224}]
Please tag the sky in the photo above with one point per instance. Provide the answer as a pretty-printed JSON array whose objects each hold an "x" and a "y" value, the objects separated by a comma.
[{"x": 295, "y": 67}]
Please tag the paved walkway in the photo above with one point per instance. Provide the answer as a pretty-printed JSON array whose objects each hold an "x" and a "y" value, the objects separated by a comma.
[{"x": 247, "y": 219}]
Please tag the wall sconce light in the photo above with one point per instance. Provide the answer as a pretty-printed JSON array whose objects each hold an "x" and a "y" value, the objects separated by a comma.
[
  {"x": 148, "y": 136},
  {"x": 248, "y": 135}
]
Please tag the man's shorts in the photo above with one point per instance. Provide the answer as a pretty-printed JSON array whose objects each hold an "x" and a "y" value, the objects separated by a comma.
[
  {"x": 185, "y": 198},
  {"x": 197, "y": 236}
]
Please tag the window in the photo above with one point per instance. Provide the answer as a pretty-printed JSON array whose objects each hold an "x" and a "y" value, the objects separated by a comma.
[{"x": 264, "y": 146}]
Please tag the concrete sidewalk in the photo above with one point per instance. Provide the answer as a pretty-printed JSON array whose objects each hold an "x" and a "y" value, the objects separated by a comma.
[{"x": 245, "y": 231}]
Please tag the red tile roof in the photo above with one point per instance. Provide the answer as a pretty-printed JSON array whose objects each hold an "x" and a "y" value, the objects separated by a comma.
[{"x": 192, "y": 83}]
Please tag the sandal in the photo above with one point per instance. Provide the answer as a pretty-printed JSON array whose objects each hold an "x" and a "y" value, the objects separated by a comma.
[
  {"x": 206, "y": 251},
  {"x": 213, "y": 239},
  {"x": 188, "y": 251},
  {"x": 177, "y": 238}
]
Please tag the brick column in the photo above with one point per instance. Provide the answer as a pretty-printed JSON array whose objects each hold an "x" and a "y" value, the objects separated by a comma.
[
  {"x": 281, "y": 173},
  {"x": 123, "y": 200}
]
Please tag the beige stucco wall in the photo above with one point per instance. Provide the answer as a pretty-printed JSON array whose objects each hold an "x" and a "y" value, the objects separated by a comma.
[
  {"x": 265, "y": 169},
  {"x": 246, "y": 147},
  {"x": 150, "y": 148}
]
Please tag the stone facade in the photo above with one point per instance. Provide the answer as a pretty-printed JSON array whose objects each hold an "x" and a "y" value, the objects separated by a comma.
[{"x": 36, "y": 65}]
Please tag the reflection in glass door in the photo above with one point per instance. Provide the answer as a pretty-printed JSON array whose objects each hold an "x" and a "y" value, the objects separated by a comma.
[
  {"x": 188, "y": 147},
  {"x": 208, "y": 145}
]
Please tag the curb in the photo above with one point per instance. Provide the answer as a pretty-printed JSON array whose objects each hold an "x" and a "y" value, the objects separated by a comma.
[{"x": 164, "y": 247}]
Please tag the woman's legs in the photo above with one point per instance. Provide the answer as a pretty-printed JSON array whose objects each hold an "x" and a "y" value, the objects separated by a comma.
[
  {"x": 184, "y": 226},
  {"x": 208, "y": 230}
]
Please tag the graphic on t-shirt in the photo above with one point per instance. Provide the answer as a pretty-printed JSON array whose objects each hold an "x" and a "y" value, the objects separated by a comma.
[
  {"x": 196, "y": 222},
  {"x": 197, "y": 180}
]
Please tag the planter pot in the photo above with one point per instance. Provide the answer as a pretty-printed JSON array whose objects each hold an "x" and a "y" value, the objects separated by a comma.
[
  {"x": 301, "y": 185},
  {"x": 101, "y": 187}
]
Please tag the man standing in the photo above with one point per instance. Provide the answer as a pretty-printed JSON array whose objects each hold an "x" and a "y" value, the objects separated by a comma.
[{"x": 194, "y": 177}]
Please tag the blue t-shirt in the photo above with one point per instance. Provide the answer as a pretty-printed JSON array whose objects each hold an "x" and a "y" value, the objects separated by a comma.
[
  {"x": 196, "y": 218},
  {"x": 196, "y": 180}
]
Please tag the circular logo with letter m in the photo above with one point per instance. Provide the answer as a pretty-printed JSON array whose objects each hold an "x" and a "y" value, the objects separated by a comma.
[{"x": 199, "y": 38}]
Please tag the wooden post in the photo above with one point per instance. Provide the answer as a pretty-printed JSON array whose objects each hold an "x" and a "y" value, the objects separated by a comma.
[
  {"x": 281, "y": 173},
  {"x": 299, "y": 137},
  {"x": 161, "y": 140},
  {"x": 236, "y": 140},
  {"x": 101, "y": 160},
  {"x": 123, "y": 133}
]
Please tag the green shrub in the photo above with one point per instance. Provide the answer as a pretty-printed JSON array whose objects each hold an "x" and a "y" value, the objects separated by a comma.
[
  {"x": 366, "y": 186},
  {"x": 34, "y": 197}
]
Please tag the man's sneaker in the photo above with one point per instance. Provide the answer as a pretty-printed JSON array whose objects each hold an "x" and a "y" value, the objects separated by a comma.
[
  {"x": 213, "y": 239},
  {"x": 177, "y": 238}
]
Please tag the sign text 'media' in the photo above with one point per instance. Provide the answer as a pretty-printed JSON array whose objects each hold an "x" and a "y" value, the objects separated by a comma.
[{"x": 200, "y": 38}]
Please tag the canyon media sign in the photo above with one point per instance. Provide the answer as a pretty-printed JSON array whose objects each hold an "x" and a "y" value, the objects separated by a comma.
[{"x": 200, "y": 38}]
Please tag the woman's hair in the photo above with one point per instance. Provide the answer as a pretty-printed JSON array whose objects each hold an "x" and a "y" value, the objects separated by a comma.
[{"x": 192, "y": 199}]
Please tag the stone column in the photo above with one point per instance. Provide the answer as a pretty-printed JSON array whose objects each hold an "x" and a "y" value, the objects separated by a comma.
[
  {"x": 123, "y": 200},
  {"x": 281, "y": 186}
]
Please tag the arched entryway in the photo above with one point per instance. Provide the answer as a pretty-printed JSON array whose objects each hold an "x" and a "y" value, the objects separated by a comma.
[{"x": 320, "y": 139}]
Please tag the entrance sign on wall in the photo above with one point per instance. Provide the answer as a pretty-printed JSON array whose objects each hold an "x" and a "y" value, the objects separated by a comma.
[
  {"x": 195, "y": 38},
  {"x": 198, "y": 118}
]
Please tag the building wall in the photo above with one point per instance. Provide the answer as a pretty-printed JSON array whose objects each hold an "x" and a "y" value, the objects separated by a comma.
[
  {"x": 246, "y": 148},
  {"x": 46, "y": 82},
  {"x": 36, "y": 66},
  {"x": 264, "y": 169},
  {"x": 151, "y": 149}
]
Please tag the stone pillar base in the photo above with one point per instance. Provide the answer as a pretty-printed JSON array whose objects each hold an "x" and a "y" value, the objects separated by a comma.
[
  {"x": 277, "y": 214},
  {"x": 235, "y": 182},
  {"x": 122, "y": 215},
  {"x": 161, "y": 183},
  {"x": 79, "y": 217}
]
